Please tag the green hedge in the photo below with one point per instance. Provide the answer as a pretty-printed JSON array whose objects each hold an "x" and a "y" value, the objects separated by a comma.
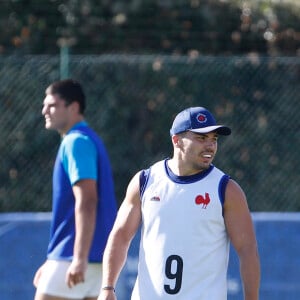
[{"x": 142, "y": 26}]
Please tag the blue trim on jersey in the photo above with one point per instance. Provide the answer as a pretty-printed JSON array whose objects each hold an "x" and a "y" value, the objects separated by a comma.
[
  {"x": 144, "y": 176},
  {"x": 186, "y": 179},
  {"x": 222, "y": 188}
]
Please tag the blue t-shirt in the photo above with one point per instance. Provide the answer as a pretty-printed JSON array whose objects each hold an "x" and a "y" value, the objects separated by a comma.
[
  {"x": 74, "y": 147},
  {"x": 81, "y": 155}
]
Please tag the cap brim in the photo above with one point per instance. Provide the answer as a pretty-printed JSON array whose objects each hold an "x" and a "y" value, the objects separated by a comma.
[{"x": 219, "y": 129}]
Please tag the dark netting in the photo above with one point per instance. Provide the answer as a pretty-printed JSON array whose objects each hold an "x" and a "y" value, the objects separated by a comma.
[{"x": 131, "y": 103}]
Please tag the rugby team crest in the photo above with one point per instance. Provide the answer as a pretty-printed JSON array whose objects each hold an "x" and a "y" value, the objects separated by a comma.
[{"x": 201, "y": 118}]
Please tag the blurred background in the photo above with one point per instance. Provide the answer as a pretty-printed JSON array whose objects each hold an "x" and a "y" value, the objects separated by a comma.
[{"x": 141, "y": 62}]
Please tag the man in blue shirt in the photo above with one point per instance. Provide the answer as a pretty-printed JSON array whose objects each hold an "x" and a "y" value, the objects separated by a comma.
[{"x": 84, "y": 205}]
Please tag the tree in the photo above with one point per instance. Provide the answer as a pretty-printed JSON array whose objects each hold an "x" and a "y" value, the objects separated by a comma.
[{"x": 168, "y": 27}]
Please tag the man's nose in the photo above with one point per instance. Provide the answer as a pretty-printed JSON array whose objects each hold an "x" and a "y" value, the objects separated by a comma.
[
  {"x": 210, "y": 144},
  {"x": 44, "y": 109}
]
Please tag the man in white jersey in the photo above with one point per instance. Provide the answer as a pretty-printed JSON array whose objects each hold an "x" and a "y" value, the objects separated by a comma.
[{"x": 189, "y": 211}]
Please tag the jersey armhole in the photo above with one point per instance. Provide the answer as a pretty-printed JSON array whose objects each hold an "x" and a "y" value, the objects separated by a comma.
[
  {"x": 144, "y": 176},
  {"x": 222, "y": 189}
]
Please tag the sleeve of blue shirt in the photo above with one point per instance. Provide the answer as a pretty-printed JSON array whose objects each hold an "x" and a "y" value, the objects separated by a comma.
[{"x": 79, "y": 157}]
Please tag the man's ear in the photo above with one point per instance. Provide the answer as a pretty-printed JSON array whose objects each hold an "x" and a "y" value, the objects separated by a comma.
[
  {"x": 75, "y": 107},
  {"x": 176, "y": 140}
]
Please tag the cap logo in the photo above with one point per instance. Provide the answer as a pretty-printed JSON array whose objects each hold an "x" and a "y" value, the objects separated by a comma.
[{"x": 201, "y": 118}]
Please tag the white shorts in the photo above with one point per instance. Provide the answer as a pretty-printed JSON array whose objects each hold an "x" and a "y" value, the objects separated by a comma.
[{"x": 53, "y": 281}]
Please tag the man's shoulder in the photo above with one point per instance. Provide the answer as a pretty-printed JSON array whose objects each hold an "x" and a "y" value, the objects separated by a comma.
[
  {"x": 215, "y": 170},
  {"x": 77, "y": 140},
  {"x": 74, "y": 135}
]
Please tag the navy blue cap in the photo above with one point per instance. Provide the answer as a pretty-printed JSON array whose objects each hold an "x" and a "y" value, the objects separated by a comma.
[{"x": 198, "y": 120}]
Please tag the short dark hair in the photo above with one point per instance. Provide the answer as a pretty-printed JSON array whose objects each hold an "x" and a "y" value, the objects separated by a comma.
[{"x": 70, "y": 91}]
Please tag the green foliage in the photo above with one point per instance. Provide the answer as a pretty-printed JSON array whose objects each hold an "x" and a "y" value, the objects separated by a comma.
[{"x": 165, "y": 27}]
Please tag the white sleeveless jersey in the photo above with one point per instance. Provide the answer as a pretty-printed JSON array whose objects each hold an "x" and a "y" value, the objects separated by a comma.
[{"x": 184, "y": 246}]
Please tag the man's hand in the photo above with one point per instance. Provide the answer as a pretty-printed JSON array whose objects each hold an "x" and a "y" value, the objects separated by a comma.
[{"x": 76, "y": 273}]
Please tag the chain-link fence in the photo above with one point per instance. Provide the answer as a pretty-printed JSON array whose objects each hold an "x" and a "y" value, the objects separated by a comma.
[{"x": 132, "y": 101}]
